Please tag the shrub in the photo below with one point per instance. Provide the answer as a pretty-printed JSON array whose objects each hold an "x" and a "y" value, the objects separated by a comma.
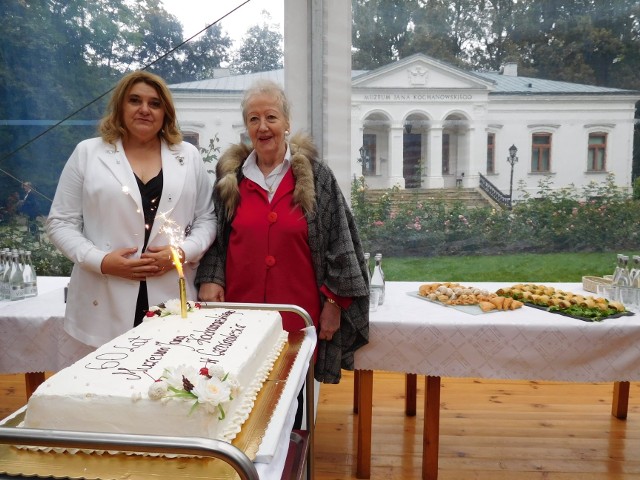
[
  {"x": 599, "y": 217},
  {"x": 46, "y": 259}
]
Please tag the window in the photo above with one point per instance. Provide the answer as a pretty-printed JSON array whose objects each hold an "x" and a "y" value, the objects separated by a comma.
[
  {"x": 368, "y": 153},
  {"x": 192, "y": 138},
  {"x": 541, "y": 152},
  {"x": 491, "y": 153},
  {"x": 596, "y": 157},
  {"x": 445, "y": 153}
]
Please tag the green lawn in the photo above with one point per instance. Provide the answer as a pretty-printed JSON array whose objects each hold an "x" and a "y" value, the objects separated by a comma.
[{"x": 553, "y": 267}]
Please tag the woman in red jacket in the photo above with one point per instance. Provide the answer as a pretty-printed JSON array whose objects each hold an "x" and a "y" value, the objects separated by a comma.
[{"x": 286, "y": 234}]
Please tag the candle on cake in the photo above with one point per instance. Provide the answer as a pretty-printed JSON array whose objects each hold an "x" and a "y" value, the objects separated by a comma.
[
  {"x": 181, "y": 282},
  {"x": 175, "y": 235}
]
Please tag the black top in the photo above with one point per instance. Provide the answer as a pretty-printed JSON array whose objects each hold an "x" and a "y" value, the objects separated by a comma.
[{"x": 150, "y": 193}]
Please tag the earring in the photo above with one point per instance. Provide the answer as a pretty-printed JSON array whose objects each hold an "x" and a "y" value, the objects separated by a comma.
[{"x": 286, "y": 133}]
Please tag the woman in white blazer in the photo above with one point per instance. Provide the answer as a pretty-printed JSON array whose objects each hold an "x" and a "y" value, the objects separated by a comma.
[{"x": 119, "y": 201}]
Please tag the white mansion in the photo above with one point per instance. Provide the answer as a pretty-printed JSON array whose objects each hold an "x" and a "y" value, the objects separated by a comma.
[{"x": 422, "y": 123}]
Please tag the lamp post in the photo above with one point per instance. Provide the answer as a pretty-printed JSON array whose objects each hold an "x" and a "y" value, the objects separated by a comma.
[
  {"x": 512, "y": 159},
  {"x": 364, "y": 159}
]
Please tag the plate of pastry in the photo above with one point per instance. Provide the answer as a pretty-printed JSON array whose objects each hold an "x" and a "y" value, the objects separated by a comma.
[
  {"x": 582, "y": 307},
  {"x": 465, "y": 298}
]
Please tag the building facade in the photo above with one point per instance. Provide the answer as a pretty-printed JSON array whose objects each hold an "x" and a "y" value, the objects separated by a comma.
[{"x": 422, "y": 123}]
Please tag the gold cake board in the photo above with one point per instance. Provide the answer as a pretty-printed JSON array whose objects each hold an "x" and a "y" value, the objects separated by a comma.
[{"x": 93, "y": 466}]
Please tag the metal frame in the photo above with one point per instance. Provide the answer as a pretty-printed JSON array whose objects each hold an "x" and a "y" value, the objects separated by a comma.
[{"x": 167, "y": 444}]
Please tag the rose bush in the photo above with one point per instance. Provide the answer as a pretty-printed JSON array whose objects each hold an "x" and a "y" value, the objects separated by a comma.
[{"x": 598, "y": 217}]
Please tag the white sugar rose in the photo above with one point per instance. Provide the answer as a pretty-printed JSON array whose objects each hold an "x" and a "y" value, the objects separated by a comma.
[
  {"x": 158, "y": 389},
  {"x": 216, "y": 371},
  {"x": 211, "y": 393},
  {"x": 173, "y": 306},
  {"x": 234, "y": 385}
]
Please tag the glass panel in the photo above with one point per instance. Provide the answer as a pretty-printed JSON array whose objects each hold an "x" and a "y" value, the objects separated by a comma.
[
  {"x": 600, "y": 166},
  {"x": 61, "y": 58},
  {"x": 368, "y": 155},
  {"x": 490, "y": 153},
  {"x": 445, "y": 153},
  {"x": 541, "y": 139},
  {"x": 546, "y": 160}
]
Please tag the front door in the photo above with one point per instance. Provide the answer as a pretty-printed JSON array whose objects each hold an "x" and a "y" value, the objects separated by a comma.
[{"x": 412, "y": 165}]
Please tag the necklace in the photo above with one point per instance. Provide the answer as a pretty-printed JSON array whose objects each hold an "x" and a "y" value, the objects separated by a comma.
[{"x": 275, "y": 180}]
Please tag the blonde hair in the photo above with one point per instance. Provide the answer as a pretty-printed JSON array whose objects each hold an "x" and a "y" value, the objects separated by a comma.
[
  {"x": 112, "y": 127},
  {"x": 266, "y": 87}
]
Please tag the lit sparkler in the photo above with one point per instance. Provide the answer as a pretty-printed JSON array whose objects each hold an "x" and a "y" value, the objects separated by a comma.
[{"x": 176, "y": 237}]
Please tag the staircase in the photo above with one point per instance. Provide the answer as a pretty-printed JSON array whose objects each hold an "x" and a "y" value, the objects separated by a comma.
[{"x": 469, "y": 197}]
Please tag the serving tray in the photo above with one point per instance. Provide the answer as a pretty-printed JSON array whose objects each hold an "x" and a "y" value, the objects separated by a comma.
[
  {"x": 577, "y": 317},
  {"x": 469, "y": 309}
]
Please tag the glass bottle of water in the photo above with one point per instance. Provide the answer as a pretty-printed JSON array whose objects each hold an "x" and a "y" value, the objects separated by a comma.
[
  {"x": 367, "y": 257},
  {"x": 3, "y": 268},
  {"x": 377, "y": 278},
  {"x": 635, "y": 272},
  {"x": 624, "y": 279},
  {"x": 16, "y": 283},
  {"x": 7, "y": 275},
  {"x": 619, "y": 273},
  {"x": 616, "y": 272},
  {"x": 29, "y": 276}
]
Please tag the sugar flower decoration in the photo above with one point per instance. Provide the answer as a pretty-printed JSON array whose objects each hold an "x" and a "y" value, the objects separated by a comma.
[
  {"x": 171, "y": 307},
  {"x": 210, "y": 388}
]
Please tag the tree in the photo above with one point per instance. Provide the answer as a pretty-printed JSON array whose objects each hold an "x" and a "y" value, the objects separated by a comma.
[
  {"x": 380, "y": 31},
  {"x": 156, "y": 44},
  {"x": 444, "y": 30},
  {"x": 584, "y": 41},
  {"x": 58, "y": 61},
  {"x": 206, "y": 54},
  {"x": 261, "y": 49}
]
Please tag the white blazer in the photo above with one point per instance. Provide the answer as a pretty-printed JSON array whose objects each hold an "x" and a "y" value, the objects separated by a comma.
[{"x": 97, "y": 208}]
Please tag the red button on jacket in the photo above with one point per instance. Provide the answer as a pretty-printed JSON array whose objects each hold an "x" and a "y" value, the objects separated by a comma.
[
  {"x": 272, "y": 217},
  {"x": 270, "y": 260}
]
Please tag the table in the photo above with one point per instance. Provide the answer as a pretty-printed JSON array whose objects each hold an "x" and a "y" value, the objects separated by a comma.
[
  {"x": 413, "y": 336},
  {"x": 33, "y": 341},
  {"x": 32, "y": 337}
]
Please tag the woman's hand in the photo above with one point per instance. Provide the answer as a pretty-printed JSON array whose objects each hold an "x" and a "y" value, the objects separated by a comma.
[
  {"x": 211, "y": 292},
  {"x": 162, "y": 258},
  {"x": 329, "y": 320},
  {"x": 119, "y": 264}
]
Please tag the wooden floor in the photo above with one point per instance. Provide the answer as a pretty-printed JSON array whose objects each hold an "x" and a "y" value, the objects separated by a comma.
[{"x": 489, "y": 430}]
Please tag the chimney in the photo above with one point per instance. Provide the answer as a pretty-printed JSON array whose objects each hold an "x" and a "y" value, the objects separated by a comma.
[
  {"x": 510, "y": 69},
  {"x": 221, "y": 72}
]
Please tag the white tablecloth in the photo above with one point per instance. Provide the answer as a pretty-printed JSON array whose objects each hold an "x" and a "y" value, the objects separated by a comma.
[
  {"x": 412, "y": 335},
  {"x": 32, "y": 338}
]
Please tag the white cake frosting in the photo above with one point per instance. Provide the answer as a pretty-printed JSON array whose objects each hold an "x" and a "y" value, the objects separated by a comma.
[{"x": 125, "y": 386}]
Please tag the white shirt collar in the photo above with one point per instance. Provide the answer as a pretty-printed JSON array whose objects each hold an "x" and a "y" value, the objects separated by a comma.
[{"x": 270, "y": 184}]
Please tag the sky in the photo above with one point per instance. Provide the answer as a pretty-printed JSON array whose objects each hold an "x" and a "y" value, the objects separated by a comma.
[{"x": 197, "y": 14}]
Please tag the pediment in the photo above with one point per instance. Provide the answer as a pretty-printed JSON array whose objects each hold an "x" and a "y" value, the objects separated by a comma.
[{"x": 421, "y": 71}]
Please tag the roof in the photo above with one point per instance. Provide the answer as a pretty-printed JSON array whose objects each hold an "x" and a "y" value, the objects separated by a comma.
[
  {"x": 513, "y": 85},
  {"x": 230, "y": 83},
  {"x": 504, "y": 84},
  {"x": 237, "y": 83}
]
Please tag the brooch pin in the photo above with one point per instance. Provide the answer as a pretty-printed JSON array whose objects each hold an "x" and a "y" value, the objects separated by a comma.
[{"x": 180, "y": 159}]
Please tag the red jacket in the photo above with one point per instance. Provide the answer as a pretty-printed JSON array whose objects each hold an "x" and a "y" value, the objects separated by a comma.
[{"x": 268, "y": 256}]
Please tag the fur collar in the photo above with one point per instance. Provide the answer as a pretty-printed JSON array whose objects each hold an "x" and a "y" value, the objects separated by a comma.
[{"x": 303, "y": 154}]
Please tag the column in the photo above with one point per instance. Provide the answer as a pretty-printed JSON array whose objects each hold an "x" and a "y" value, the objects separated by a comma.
[
  {"x": 478, "y": 154},
  {"x": 396, "y": 157},
  {"x": 434, "y": 177}
]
